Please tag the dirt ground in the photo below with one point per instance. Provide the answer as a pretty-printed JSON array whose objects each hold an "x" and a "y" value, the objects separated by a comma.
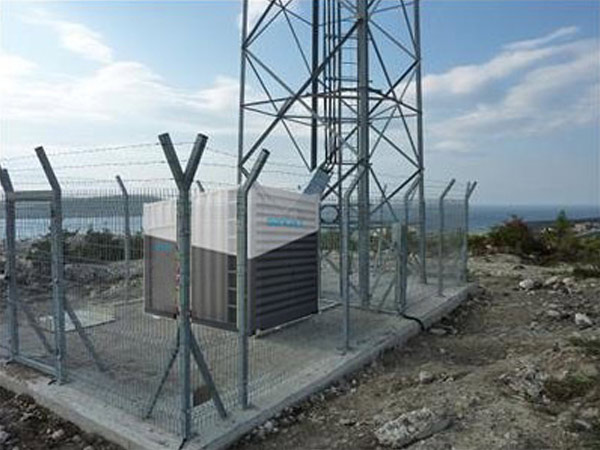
[
  {"x": 511, "y": 368},
  {"x": 516, "y": 367},
  {"x": 24, "y": 425}
]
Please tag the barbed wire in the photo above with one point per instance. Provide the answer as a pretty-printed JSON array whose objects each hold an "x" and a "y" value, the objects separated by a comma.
[
  {"x": 96, "y": 165},
  {"x": 431, "y": 185},
  {"x": 106, "y": 149},
  {"x": 92, "y": 150}
]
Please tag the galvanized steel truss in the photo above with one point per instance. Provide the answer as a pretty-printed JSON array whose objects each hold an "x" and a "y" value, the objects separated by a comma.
[{"x": 352, "y": 78}]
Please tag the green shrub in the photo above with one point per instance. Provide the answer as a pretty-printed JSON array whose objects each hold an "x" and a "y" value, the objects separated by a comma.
[
  {"x": 515, "y": 236},
  {"x": 588, "y": 262},
  {"x": 96, "y": 246},
  {"x": 557, "y": 243},
  {"x": 39, "y": 253},
  {"x": 478, "y": 244},
  {"x": 564, "y": 245},
  {"x": 560, "y": 240},
  {"x": 91, "y": 246}
]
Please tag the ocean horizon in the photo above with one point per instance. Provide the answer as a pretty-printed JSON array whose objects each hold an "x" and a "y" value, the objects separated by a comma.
[{"x": 483, "y": 217}]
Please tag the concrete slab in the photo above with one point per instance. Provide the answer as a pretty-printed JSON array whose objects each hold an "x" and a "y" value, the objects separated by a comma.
[
  {"x": 92, "y": 317},
  {"x": 286, "y": 367}
]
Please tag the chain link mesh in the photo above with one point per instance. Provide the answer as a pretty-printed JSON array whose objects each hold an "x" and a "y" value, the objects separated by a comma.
[{"x": 119, "y": 353}]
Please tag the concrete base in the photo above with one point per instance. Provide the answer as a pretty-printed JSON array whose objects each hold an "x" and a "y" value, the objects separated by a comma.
[{"x": 373, "y": 333}]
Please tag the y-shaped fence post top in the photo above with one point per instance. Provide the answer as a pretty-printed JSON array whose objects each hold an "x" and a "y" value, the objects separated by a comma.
[
  {"x": 256, "y": 170},
  {"x": 121, "y": 186},
  {"x": 447, "y": 190},
  {"x": 470, "y": 188},
  {"x": 353, "y": 184},
  {"x": 407, "y": 196},
  {"x": 5, "y": 181},
  {"x": 411, "y": 189},
  {"x": 50, "y": 175},
  {"x": 241, "y": 276},
  {"x": 183, "y": 179}
]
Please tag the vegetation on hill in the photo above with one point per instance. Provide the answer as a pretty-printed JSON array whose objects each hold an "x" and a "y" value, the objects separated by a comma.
[
  {"x": 552, "y": 245},
  {"x": 91, "y": 246}
]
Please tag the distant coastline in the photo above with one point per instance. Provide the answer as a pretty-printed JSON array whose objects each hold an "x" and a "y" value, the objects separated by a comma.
[
  {"x": 538, "y": 224},
  {"x": 483, "y": 217}
]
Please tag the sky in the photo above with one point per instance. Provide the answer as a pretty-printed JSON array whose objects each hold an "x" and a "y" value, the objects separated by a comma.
[{"x": 511, "y": 89}]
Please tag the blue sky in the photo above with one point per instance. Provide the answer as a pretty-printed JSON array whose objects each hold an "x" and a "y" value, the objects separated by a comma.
[{"x": 512, "y": 88}]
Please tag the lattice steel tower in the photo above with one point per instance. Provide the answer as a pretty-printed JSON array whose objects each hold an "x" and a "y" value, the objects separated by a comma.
[{"x": 337, "y": 83}]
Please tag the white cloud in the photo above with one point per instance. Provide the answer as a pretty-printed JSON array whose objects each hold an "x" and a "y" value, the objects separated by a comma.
[
  {"x": 257, "y": 7},
  {"x": 75, "y": 37},
  {"x": 538, "y": 42},
  {"x": 81, "y": 40},
  {"x": 222, "y": 96},
  {"x": 545, "y": 99},
  {"x": 255, "y": 10},
  {"x": 116, "y": 91},
  {"x": 122, "y": 97},
  {"x": 11, "y": 68},
  {"x": 468, "y": 79}
]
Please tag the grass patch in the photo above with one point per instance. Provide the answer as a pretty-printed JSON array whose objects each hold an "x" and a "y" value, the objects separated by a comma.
[
  {"x": 589, "y": 347},
  {"x": 573, "y": 386}
]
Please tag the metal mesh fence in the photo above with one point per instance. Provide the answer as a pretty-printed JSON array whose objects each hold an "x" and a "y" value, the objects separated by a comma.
[
  {"x": 125, "y": 356},
  {"x": 4, "y": 338},
  {"x": 120, "y": 353},
  {"x": 34, "y": 282}
]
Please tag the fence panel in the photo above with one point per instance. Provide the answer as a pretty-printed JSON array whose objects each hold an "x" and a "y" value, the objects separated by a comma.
[
  {"x": 35, "y": 307},
  {"x": 4, "y": 336},
  {"x": 454, "y": 229},
  {"x": 126, "y": 355},
  {"x": 116, "y": 352}
]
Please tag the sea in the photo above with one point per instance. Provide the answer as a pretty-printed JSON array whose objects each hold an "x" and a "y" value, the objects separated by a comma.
[{"x": 481, "y": 219}]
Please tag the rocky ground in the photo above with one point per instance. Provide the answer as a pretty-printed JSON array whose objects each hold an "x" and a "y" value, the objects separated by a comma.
[
  {"x": 24, "y": 425},
  {"x": 516, "y": 367}
]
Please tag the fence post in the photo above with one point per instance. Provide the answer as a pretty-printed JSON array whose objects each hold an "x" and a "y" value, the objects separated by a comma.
[
  {"x": 407, "y": 198},
  {"x": 401, "y": 272},
  {"x": 345, "y": 258},
  {"x": 242, "y": 303},
  {"x": 127, "y": 238},
  {"x": 11, "y": 263},
  {"x": 184, "y": 181},
  {"x": 441, "y": 238},
  {"x": 403, "y": 266},
  {"x": 345, "y": 269},
  {"x": 58, "y": 274},
  {"x": 465, "y": 241},
  {"x": 403, "y": 246}
]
